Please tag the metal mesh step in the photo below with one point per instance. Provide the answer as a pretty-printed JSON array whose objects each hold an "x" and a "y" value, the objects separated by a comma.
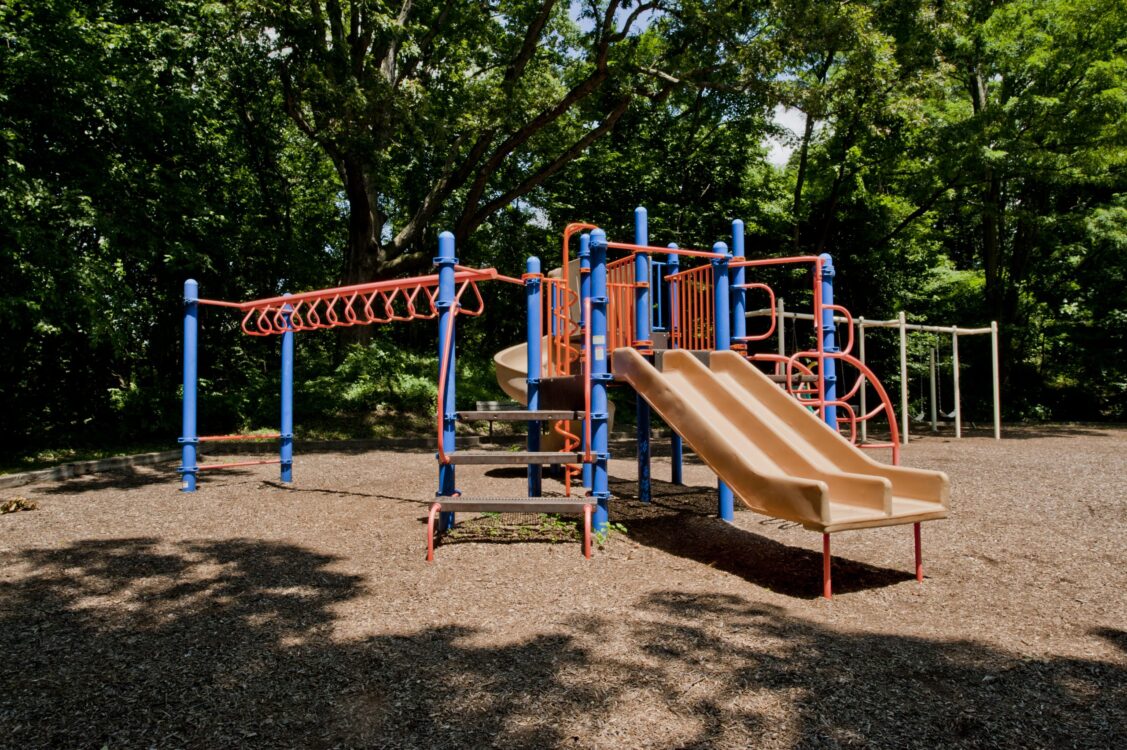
[
  {"x": 514, "y": 504},
  {"x": 520, "y": 415},
  {"x": 510, "y": 458}
]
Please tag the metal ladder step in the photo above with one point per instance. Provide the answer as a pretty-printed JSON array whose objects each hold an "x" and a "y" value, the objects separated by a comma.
[
  {"x": 514, "y": 504},
  {"x": 520, "y": 415},
  {"x": 514, "y": 457}
]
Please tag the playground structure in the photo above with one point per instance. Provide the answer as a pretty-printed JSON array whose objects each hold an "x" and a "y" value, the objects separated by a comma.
[
  {"x": 934, "y": 394},
  {"x": 672, "y": 331}
]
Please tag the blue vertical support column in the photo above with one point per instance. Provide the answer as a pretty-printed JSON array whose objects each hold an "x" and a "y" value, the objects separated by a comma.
[
  {"x": 600, "y": 446},
  {"x": 584, "y": 295},
  {"x": 642, "y": 312},
  {"x": 829, "y": 337},
  {"x": 672, "y": 266},
  {"x": 188, "y": 437},
  {"x": 721, "y": 316},
  {"x": 532, "y": 289},
  {"x": 739, "y": 294},
  {"x": 285, "y": 449},
  {"x": 447, "y": 313}
]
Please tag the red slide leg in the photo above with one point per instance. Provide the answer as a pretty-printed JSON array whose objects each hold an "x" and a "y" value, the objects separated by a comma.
[
  {"x": 827, "y": 587},
  {"x": 587, "y": 531},
  {"x": 919, "y": 555},
  {"x": 434, "y": 509}
]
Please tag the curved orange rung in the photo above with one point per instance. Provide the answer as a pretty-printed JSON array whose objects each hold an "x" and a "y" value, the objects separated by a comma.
[
  {"x": 426, "y": 314},
  {"x": 771, "y": 293},
  {"x": 477, "y": 293},
  {"x": 849, "y": 324},
  {"x": 852, "y": 418}
]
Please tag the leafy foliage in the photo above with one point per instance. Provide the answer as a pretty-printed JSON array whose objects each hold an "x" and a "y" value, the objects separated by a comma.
[{"x": 964, "y": 160}]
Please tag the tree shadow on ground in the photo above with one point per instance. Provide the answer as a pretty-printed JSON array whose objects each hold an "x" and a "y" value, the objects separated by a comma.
[
  {"x": 141, "y": 643},
  {"x": 129, "y": 478},
  {"x": 681, "y": 520}
]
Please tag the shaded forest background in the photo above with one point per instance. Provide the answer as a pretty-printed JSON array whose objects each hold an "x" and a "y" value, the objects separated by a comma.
[{"x": 963, "y": 160}]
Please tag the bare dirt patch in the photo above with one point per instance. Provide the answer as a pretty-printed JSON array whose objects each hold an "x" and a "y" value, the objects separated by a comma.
[{"x": 251, "y": 614}]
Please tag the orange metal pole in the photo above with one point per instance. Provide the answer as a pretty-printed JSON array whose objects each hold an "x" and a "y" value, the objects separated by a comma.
[{"x": 827, "y": 586}]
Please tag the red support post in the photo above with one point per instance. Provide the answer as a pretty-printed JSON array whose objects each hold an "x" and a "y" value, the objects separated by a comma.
[
  {"x": 434, "y": 509},
  {"x": 587, "y": 531},
  {"x": 919, "y": 553},
  {"x": 827, "y": 587}
]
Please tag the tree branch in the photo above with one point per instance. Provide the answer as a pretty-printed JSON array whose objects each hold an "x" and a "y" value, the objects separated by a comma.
[
  {"x": 471, "y": 221},
  {"x": 528, "y": 46},
  {"x": 923, "y": 208}
]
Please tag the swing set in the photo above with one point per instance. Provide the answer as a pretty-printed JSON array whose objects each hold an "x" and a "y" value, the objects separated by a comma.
[{"x": 781, "y": 315}]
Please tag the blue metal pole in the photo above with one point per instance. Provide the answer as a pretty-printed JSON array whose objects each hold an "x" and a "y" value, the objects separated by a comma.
[
  {"x": 286, "y": 447},
  {"x": 829, "y": 337},
  {"x": 673, "y": 265},
  {"x": 532, "y": 328},
  {"x": 188, "y": 437},
  {"x": 600, "y": 446},
  {"x": 642, "y": 313},
  {"x": 447, "y": 355},
  {"x": 739, "y": 294},
  {"x": 584, "y": 295},
  {"x": 721, "y": 295}
]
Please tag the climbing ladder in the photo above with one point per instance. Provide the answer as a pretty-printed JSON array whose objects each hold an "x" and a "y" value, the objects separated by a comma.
[{"x": 449, "y": 500}]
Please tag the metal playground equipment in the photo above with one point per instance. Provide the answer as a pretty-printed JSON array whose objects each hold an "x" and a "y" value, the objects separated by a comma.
[
  {"x": 782, "y": 432},
  {"x": 778, "y": 312}
]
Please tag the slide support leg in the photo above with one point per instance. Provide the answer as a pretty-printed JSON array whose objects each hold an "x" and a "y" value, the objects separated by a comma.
[
  {"x": 827, "y": 586},
  {"x": 919, "y": 553}
]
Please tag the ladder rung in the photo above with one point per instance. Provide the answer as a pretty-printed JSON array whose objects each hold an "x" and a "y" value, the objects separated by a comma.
[
  {"x": 514, "y": 457},
  {"x": 514, "y": 504},
  {"x": 520, "y": 415}
]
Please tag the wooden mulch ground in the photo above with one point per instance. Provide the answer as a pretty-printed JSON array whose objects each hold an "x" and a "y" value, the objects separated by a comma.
[{"x": 254, "y": 615}]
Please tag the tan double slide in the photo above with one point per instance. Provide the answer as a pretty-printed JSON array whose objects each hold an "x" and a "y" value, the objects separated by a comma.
[{"x": 779, "y": 458}]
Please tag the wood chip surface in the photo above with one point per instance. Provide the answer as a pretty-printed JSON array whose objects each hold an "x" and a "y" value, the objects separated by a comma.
[{"x": 252, "y": 614}]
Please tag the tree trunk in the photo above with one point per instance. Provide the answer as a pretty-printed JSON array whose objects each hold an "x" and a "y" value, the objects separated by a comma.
[
  {"x": 363, "y": 257},
  {"x": 804, "y": 153},
  {"x": 803, "y": 157},
  {"x": 364, "y": 253},
  {"x": 991, "y": 211}
]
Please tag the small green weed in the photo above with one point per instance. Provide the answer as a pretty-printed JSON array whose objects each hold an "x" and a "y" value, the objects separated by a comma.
[{"x": 602, "y": 537}]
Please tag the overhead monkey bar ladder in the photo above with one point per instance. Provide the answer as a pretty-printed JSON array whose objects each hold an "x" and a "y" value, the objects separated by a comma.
[{"x": 397, "y": 300}]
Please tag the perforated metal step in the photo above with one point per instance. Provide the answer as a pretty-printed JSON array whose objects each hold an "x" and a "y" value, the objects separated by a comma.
[
  {"x": 520, "y": 415},
  {"x": 510, "y": 458},
  {"x": 514, "y": 504}
]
